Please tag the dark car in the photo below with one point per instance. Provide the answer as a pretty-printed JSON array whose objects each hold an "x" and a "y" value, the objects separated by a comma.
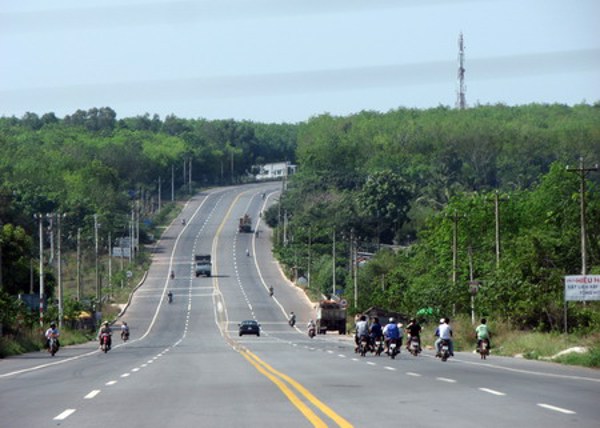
[{"x": 249, "y": 327}]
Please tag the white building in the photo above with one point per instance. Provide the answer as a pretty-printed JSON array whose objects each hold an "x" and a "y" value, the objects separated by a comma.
[{"x": 275, "y": 171}]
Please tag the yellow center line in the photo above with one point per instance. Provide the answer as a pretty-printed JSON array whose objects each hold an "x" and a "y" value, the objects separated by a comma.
[
  {"x": 304, "y": 409},
  {"x": 269, "y": 372},
  {"x": 305, "y": 392}
]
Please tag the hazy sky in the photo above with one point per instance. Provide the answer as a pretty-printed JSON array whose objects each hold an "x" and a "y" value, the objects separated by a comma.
[{"x": 288, "y": 60}]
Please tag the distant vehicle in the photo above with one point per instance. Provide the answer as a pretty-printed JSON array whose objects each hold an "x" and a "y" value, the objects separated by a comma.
[
  {"x": 331, "y": 316},
  {"x": 203, "y": 265},
  {"x": 245, "y": 225},
  {"x": 249, "y": 327}
]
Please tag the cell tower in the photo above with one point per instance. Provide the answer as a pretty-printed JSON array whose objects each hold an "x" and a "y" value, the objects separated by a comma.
[{"x": 461, "y": 102}]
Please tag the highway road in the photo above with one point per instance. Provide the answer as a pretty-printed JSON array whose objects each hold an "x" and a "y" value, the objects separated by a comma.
[{"x": 185, "y": 364}]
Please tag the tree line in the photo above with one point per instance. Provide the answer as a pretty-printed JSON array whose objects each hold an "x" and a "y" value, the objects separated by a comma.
[
  {"x": 409, "y": 193},
  {"x": 415, "y": 191}
]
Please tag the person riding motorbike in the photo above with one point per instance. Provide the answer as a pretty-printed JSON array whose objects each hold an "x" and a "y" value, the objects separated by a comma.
[
  {"x": 444, "y": 332},
  {"x": 482, "y": 332},
  {"x": 391, "y": 332},
  {"x": 413, "y": 329},
  {"x": 362, "y": 330},
  {"x": 105, "y": 331},
  {"x": 312, "y": 328},
  {"x": 172, "y": 274},
  {"x": 52, "y": 332},
  {"x": 292, "y": 319},
  {"x": 375, "y": 331},
  {"x": 247, "y": 252},
  {"x": 183, "y": 221},
  {"x": 124, "y": 331},
  {"x": 271, "y": 291},
  {"x": 170, "y": 296}
]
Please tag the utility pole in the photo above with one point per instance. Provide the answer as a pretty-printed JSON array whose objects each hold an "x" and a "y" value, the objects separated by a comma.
[
  {"x": 59, "y": 270},
  {"x": 582, "y": 171},
  {"x": 333, "y": 279},
  {"x": 172, "y": 183},
  {"x": 461, "y": 101},
  {"x": 96, "y": 225},
  {"x": 78, "y": 280},
  {"x": 40, "y": 217},
  {"x": 159, "y": 193}
]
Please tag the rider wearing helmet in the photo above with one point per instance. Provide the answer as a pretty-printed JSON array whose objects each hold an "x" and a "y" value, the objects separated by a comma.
[
  {"x": 105, "y": 330},
  {"x": 391, "y": 332}
]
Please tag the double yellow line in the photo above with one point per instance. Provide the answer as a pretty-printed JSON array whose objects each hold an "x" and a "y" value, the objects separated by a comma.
[{"x": 284, "y": 382}]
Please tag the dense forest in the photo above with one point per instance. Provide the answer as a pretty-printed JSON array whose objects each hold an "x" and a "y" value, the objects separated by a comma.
[{"x": 427, "y": 203}]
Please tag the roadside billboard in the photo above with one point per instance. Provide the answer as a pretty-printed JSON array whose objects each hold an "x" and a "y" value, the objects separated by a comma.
[{"x": 582, "y": 287}]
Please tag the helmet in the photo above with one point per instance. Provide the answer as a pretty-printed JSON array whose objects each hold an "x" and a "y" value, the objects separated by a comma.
[
  {"x": 52, "y": 324},
  {"x": 400, "y": 325},
  {"x": 392, "y": 319},
  {"x": 105, "y": 323},
  {"x": 442, "y": 321}
]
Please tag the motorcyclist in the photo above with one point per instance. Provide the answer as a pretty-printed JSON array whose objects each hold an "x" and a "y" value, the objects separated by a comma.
[
  {"x": 482, "y": 332},
  {"x": 362, "y": 330},
  {"x": 311, "y": 326},
  {"x": 105, "y": 330},
  {"x": 183, "y": 221},
  {"x": 170, "y": 296},
  {"x": 247, "y": 252},
  {"x": 52, "y": 332},
  {"x": 292, "y": 319},
  {"x": 375, "y": 330},
  {"x": 444, "y": 332},
  {"x": 172, "y": 274},
  {"x": 124, "y": 331},
  {"x": 271, "y": 291},
  {"x": 413, "y": 329},
  {"x": 391, "y": 332}
]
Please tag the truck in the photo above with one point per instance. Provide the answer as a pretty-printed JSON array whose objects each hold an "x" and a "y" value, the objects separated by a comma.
[
  {"x": 331, "y": 316},
  {"x": 203, "y": 265},
  {"x": 245, "y": 225}
]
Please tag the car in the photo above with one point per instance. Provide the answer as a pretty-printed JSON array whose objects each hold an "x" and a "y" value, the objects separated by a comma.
[{"x": 249, "y": 327}]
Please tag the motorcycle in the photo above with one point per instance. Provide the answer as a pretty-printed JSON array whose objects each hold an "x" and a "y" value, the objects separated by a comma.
[
  {"x": 183, "y": 222},
  {"x": 52, "y": 345},
  {"x": 414, "y": 346},
  {"x": 170, "y": 297},
  {"x": 271, "y": 291},
  {"x": 444, "y": 350},
  {"x": 378, "y": 348},
  {"x": 104, "y": 343},
  {"x": 312, "y": 332},
  {"x": 363, "y": 345},
  {"x": 125, "y": 336},
  {"x": 172, "y": 275},
  {"x": 484, "y": 349},
  {"x": 292, "y": 321},
  {"x": 394, "y": 349}
]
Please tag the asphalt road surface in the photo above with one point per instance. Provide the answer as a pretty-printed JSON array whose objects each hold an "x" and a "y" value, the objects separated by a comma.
[{"x": 186, "y": 366}]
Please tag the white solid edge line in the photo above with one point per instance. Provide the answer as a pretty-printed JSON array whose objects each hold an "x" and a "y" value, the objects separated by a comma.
[
  {"x": 491, "y": 391},
  {"x": 556, "y": 409},
  {"x": 64, "y": 415}
]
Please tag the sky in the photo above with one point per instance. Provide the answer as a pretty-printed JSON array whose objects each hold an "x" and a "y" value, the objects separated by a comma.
[{"x": 279, "y": 61}]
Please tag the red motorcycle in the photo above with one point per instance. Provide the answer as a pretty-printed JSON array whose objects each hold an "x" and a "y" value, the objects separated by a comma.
[{"x": 105, "y": 342}]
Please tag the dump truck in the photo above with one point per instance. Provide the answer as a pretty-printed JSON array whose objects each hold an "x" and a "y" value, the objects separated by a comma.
[
  {"x": 245, "y": 224},
  {"x": 203, "y": 265},
  {"x": 331, "y": 316}
]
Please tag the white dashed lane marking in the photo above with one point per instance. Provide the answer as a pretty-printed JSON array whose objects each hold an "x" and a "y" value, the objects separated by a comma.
[
  {"x": 112, "y": 382},
  {"x": 413, "y": 374},
  {"x": 556, "y": 409},
  {"x": 445, "y": 379},
  {"x": 64, "y": 415},
  {"x": 92, "y": 394},
  {"x": 491, "y": 391}
]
